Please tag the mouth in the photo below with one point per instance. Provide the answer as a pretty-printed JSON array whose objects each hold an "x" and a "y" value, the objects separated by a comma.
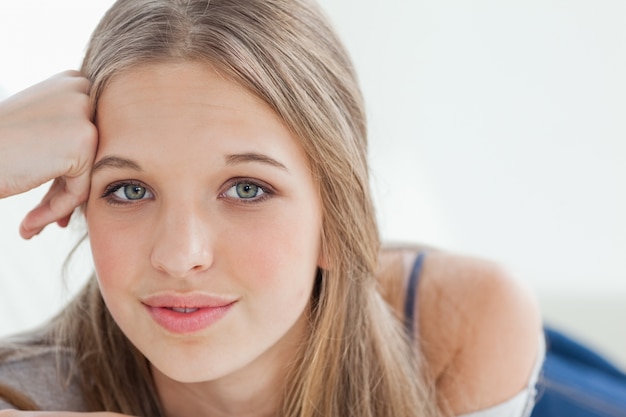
[
  {"x": 187, "y": 313},
  {"x": 186, "y": 302},
  {"x": 184, "y": 310}
]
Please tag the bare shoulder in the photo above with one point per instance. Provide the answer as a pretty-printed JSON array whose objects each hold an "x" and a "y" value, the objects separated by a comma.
[
  {"x": 479, "y": 326},
  {"x": 480, "y": 329}
]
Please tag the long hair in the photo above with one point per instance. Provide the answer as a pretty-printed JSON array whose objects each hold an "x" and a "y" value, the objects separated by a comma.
[{"x": 357, "y": 360}]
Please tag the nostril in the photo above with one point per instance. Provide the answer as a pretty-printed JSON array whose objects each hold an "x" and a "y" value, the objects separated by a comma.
[
  {"x": 182, "y": 244},
  {"x": 180, "y": 263}
]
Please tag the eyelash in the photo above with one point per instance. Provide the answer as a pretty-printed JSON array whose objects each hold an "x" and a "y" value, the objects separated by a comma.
[
  {"x": 266, "y": 190},
  {"x": 111, "y": 189}
]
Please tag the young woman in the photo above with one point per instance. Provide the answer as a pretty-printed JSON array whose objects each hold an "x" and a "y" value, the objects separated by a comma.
[{"x": 218, "y": 152}]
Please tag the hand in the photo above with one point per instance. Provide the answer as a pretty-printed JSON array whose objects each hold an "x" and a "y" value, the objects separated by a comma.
[
  {"x": 16, "y": 413},
  {"x": 46, "y": 133}
]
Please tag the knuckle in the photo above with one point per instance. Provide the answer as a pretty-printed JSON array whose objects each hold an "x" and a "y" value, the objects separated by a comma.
[
  {"x": 77, "y": 101},
  {"x": 69, "y": 73},
  {"x": 88, "y": 134}
]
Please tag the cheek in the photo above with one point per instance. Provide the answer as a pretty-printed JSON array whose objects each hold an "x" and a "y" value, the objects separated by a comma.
[
  {"x": 277, "y": 257},
  {"x": 114, "y": 248}
]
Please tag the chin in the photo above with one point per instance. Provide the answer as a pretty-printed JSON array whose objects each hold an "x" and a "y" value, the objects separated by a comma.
[{"x": 189, "y": 373}]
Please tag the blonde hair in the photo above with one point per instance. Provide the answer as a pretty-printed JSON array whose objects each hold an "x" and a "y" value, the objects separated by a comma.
[{"x": 357, "y": 360}]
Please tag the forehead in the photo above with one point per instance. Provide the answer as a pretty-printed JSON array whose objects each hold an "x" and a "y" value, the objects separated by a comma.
[
  {"x": 180, "y": 82},
  {"x": 188, "y": 104}
]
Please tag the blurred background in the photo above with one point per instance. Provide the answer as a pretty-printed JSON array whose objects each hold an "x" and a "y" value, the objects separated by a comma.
[{"x": 497, "y": 130}]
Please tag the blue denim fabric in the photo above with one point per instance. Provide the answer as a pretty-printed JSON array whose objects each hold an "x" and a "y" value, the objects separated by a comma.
[{"x": 578, "y": 382}]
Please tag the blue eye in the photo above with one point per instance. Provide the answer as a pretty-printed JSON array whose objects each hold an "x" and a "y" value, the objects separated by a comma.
[
  {"x": 245, "y": 191},
  {"x": 126, "y": 192},
  {"x": 131, "y": 192}
]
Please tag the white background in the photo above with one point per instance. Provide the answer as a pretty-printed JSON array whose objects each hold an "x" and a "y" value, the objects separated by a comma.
[{"x": 497, "y": 129}]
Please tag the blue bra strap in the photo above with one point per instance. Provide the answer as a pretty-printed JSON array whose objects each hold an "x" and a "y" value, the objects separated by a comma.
[{"x": 411, "y": 294}]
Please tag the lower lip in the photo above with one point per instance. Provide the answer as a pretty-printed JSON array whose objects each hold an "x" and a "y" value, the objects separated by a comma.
[{"x": 182, "y": 323}]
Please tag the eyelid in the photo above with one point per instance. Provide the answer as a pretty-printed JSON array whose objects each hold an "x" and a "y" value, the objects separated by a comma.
[
  {"x": 110, "y": 189},
  {"x": 268, "y": 190}
]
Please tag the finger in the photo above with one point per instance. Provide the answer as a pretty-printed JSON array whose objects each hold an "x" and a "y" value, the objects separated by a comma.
[
  {"x": 16, "y": 413},
  {"x": 64, "y": 221},
  {"x": 34, "y": 222},
  {"x": 56, "y": 206},
  {"x": 42, "y": 215},
  {"x": 76, "y": 80}
]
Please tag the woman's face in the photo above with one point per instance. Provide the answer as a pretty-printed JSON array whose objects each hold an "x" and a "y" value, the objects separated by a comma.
[{"x": 204, "y": 222}]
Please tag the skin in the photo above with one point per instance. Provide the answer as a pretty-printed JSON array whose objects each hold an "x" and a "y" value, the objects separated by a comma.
[
  {"x": 192, "y": 136},
  {"x": 46, "y": 134},
  {"x": 15, "y": 413},
  {"x": 478, "y": 327}
]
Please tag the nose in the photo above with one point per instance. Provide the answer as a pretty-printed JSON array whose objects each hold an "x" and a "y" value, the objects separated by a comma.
[{"x": 182, "y": 242}]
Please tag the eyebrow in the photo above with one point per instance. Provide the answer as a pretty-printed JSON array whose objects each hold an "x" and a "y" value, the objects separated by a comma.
[
  {"x": 253, "y": 157},
  {"x": 115, "y": 162},
  {"x": 119, "y": 162}
]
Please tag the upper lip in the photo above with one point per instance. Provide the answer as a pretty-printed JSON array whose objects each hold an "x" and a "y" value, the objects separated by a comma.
[{"x": 187, "y": 300}]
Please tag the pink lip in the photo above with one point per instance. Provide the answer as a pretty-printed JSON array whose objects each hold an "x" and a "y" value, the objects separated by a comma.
[{"x": 205, "y": 310}]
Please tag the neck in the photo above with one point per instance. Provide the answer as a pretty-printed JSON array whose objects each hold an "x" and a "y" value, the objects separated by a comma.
[{"x": 222, "y": 398}]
